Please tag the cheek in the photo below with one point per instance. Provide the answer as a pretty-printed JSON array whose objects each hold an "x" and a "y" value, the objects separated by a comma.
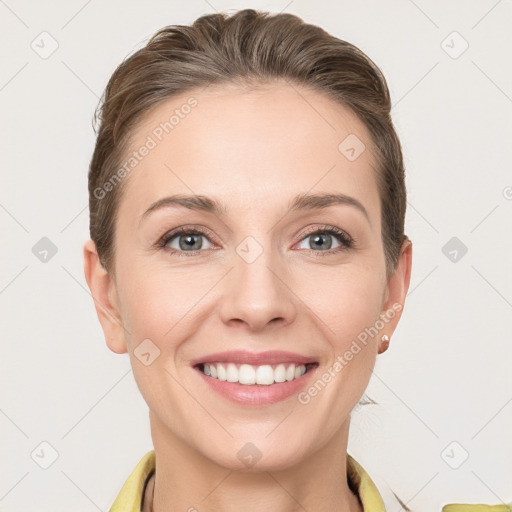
[
  {"x": 156, "y": 303},
  {"x": 347, "y": 303},
  {"x": 156, "y": 312}
]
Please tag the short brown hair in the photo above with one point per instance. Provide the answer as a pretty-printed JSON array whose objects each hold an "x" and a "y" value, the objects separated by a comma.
[{"x": 248, "y": 46}]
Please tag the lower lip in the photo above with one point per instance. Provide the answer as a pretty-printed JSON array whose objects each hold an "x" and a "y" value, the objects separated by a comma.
[{"x": 257, "y": 394}]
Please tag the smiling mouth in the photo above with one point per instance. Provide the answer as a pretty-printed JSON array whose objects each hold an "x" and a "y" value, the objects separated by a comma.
[{"x": 250, "y": 375}]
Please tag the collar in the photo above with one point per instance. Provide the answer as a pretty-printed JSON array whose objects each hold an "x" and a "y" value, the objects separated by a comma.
[{"x": 130, "y": 497}]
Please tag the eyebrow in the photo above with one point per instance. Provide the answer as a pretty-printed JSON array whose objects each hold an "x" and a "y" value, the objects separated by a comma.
[{"x": 303, "y": 201}]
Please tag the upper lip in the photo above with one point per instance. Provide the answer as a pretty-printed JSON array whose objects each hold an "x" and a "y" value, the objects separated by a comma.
[{"x": 257, "y": 359}]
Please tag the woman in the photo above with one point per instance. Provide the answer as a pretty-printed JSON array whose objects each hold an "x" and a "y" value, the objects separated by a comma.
[{"x": 247, "y": 205}]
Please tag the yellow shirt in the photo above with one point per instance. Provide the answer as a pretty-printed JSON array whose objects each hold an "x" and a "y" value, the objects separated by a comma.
[{"x": 130, "y": 497}]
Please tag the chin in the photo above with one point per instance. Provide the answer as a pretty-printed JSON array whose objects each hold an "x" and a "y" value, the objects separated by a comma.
[{"x": 255, "y": 456}]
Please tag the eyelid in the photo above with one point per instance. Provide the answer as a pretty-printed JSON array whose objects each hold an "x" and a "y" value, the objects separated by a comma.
[
  {"x": 327, "y": 228},
  {"x": 184, "y": 230},
  {"x": 347, "y": 241}
]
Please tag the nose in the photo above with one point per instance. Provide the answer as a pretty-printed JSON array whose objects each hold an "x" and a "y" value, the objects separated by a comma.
[{"x": 257, "y": 293}]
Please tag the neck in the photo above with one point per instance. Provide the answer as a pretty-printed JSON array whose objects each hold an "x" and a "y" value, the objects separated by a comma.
[{"x": 187, "y": 481}]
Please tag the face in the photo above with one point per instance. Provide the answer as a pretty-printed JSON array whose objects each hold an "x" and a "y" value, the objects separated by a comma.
[{"x": 271, "y": 278}]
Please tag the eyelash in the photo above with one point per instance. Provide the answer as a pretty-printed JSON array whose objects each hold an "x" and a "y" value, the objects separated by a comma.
[{"x": 347, "y": 242}]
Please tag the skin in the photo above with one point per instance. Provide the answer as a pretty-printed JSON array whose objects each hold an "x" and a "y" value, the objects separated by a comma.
[{"x": 253, "y": 150}]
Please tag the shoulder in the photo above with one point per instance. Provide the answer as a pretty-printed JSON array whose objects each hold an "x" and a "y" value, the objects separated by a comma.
[
  {"x": 131, "y": 495},
  {"x": 377, "y": 495}
]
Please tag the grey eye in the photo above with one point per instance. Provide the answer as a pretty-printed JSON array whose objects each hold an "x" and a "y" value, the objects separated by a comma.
[
  {"x": 320, "y": 240},
  {"x": 187, "y": 242}
]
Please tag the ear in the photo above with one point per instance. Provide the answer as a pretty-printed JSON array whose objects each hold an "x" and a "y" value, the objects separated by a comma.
[
  {"x": 396, "y": 289},
  {"x": 104, "y": 294}
]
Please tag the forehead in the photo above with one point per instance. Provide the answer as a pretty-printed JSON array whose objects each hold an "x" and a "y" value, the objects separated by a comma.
[{"x": 250, "y": 144}]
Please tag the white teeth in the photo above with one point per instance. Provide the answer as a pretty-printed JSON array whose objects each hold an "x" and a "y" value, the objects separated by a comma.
[
  {"x": 221, "y": 372},
  {"x": 290, "y": 372},
  {"x": 298, "y": 372},
  {"x": 232, "y": 373},
  {"x": 280, "y": 373},
  {"x": 265, "y": 375},
  {"x": 247, "y": 374}
]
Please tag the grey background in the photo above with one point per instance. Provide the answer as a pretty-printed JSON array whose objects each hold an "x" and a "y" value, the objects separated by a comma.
[{"x": 442, "y": 430}]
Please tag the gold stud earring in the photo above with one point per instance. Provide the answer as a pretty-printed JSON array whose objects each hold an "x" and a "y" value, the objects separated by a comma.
[{"x": 385, "y": 344}]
